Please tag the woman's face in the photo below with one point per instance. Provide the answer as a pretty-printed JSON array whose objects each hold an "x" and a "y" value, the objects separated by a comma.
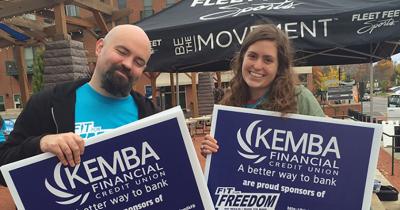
[{"x": 260, "y": 65}]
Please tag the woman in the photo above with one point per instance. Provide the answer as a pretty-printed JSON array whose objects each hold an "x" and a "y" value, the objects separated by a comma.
[{"x": 264, "y": 79}]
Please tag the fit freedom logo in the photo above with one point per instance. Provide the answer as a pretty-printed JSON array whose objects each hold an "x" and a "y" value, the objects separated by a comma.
[
  {"x": 230, "y": 198},
  {"x": 63, "y": 194}
]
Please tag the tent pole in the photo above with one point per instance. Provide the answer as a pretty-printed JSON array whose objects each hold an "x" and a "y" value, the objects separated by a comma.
[
  {"x": 195, "y": 108},
  {"x": 371, "y": 89},
  {"x": 219, "y": 80},
  {"x": 172, "y": 85},
  {"x": 177, "y": 89},
  {"x": 154, "y": 86}
]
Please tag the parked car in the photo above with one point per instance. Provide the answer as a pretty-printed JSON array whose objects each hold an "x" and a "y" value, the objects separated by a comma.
[
  {"x": 394, "y": 100},
  {"x": 394, "y": 88},
  {"x": 393, "y": 109},
  {"x": 366, "y": 97},
  {"x": 376, "y": 90}
]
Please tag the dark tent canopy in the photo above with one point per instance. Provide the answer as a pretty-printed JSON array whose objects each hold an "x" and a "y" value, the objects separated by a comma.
[{"x": 203, "y": 35}]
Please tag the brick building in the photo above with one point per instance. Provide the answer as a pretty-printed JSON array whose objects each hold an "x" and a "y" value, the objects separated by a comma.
[{"x": 9, "y": 85}]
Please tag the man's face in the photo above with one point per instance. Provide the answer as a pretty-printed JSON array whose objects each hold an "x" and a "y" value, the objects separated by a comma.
[
  {"x": 118, "y": 80},
  {"x": 121, "y": 61}
]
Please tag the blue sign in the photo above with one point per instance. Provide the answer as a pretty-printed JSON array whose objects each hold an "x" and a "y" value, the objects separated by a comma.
[
  {"x": 267, "y": 161},
  {"x": 148, "y": 164}
]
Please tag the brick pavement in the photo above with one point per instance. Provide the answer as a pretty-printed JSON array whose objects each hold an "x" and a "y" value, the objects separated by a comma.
[{"x": 385, "y": 167}]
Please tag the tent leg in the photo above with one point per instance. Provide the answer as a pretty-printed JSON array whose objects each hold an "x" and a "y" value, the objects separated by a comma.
[
  {"x": 173, "y": 97},
  {"x": 371, "y": 89},
  {"x": 195, "y": 108},
  {"x": 177, "y": 89}
]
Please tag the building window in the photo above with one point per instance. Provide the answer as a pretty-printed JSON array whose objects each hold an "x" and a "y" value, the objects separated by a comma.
[
  {"x": 72, "y": 10},
  {"x": 29, "y": 54},
  {"x": 2, "y": 104},
  {"x": 170, "y": 3},
  {"x": 17, "y": 101},
  {"x": 303, "y": 79},
  {"x": 148, "y": 9},
  {"x": 124, "y": 20},
  {"x": 11, "y": 65},
  {"x": 11, "y": 68},
  {"x": 121, "y": 4},
  {"x": 166, "y": 97}
]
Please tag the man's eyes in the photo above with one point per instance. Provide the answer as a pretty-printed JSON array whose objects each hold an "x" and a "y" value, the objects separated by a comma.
[
  {"x": 140, "y": 62},
  {"x": 122, "y": 52}
]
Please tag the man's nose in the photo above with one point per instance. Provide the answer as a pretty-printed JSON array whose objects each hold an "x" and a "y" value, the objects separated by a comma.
[{"x": 127, "y": 63}]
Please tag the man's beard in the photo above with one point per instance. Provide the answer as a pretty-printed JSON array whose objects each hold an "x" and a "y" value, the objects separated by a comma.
[{"x": 118, "y": 85}]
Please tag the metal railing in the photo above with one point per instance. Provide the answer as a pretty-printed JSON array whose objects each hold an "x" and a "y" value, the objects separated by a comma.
[{"x": 358, "y": 116}]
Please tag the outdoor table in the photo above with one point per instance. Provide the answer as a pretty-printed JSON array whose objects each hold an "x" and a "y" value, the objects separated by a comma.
[{"x": 191, "y": 124}]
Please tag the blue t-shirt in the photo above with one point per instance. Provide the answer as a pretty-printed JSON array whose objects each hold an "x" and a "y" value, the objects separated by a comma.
[
  {"x": 2, "y": 129},
  {"x": 96, "y": 114}
]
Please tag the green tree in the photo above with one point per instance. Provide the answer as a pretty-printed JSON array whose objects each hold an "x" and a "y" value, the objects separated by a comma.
[
  {"x": 383, "y": 70},
  {"x": 397, "y": 73},
  {"x": 384, "y": 85},
  {"x": 38, "y": 66},
  {"x": 343, "y": 75}
]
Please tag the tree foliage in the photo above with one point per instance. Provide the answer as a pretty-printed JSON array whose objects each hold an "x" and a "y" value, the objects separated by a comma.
[
  {"x": 317, "y": 75},
  {"x": 38, "y": 67},
  {"x": 383, "y": 70},
  {"x": 384, "y": 64},
  {"x": 396, "y": 74},
  {"x": 330, "y": 78},
  {"x": 384, "y": 85},
  {"x": 361, "y": 72}
]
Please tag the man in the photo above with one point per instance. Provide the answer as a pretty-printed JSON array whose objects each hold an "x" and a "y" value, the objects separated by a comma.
[{"x": 57, "y": 120}]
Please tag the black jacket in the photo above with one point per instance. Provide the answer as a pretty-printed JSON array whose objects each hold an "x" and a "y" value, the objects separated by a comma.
[{"x": 49, "y": 112}]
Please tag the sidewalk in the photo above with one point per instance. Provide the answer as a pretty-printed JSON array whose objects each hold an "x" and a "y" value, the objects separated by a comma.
[{"x": 385, "y": 166}]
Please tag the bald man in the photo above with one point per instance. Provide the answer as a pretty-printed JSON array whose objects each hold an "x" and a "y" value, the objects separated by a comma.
[{"x": 58, "y": 120}]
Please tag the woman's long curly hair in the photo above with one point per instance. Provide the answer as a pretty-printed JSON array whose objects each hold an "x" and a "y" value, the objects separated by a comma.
[{"x": 282, "y": 94}]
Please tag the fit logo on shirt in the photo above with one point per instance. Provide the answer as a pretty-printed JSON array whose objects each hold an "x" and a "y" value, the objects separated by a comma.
[{"x": 88, "y": 129}]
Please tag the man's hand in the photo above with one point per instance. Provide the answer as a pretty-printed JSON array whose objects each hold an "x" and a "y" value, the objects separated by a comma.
[{"x": 68, "y": 147}]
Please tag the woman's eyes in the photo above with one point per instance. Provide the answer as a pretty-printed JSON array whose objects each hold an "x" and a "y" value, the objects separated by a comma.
[
  {"x": 267, "y": 60},
  {"x": 254, "y": 57}
]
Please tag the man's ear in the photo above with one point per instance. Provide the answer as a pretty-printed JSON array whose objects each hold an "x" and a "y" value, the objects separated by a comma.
[{"x": 99, "y": 46}]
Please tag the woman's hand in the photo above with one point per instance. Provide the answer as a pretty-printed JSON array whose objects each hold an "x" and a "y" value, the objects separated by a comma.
[{"x": 208, "y": 145}]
